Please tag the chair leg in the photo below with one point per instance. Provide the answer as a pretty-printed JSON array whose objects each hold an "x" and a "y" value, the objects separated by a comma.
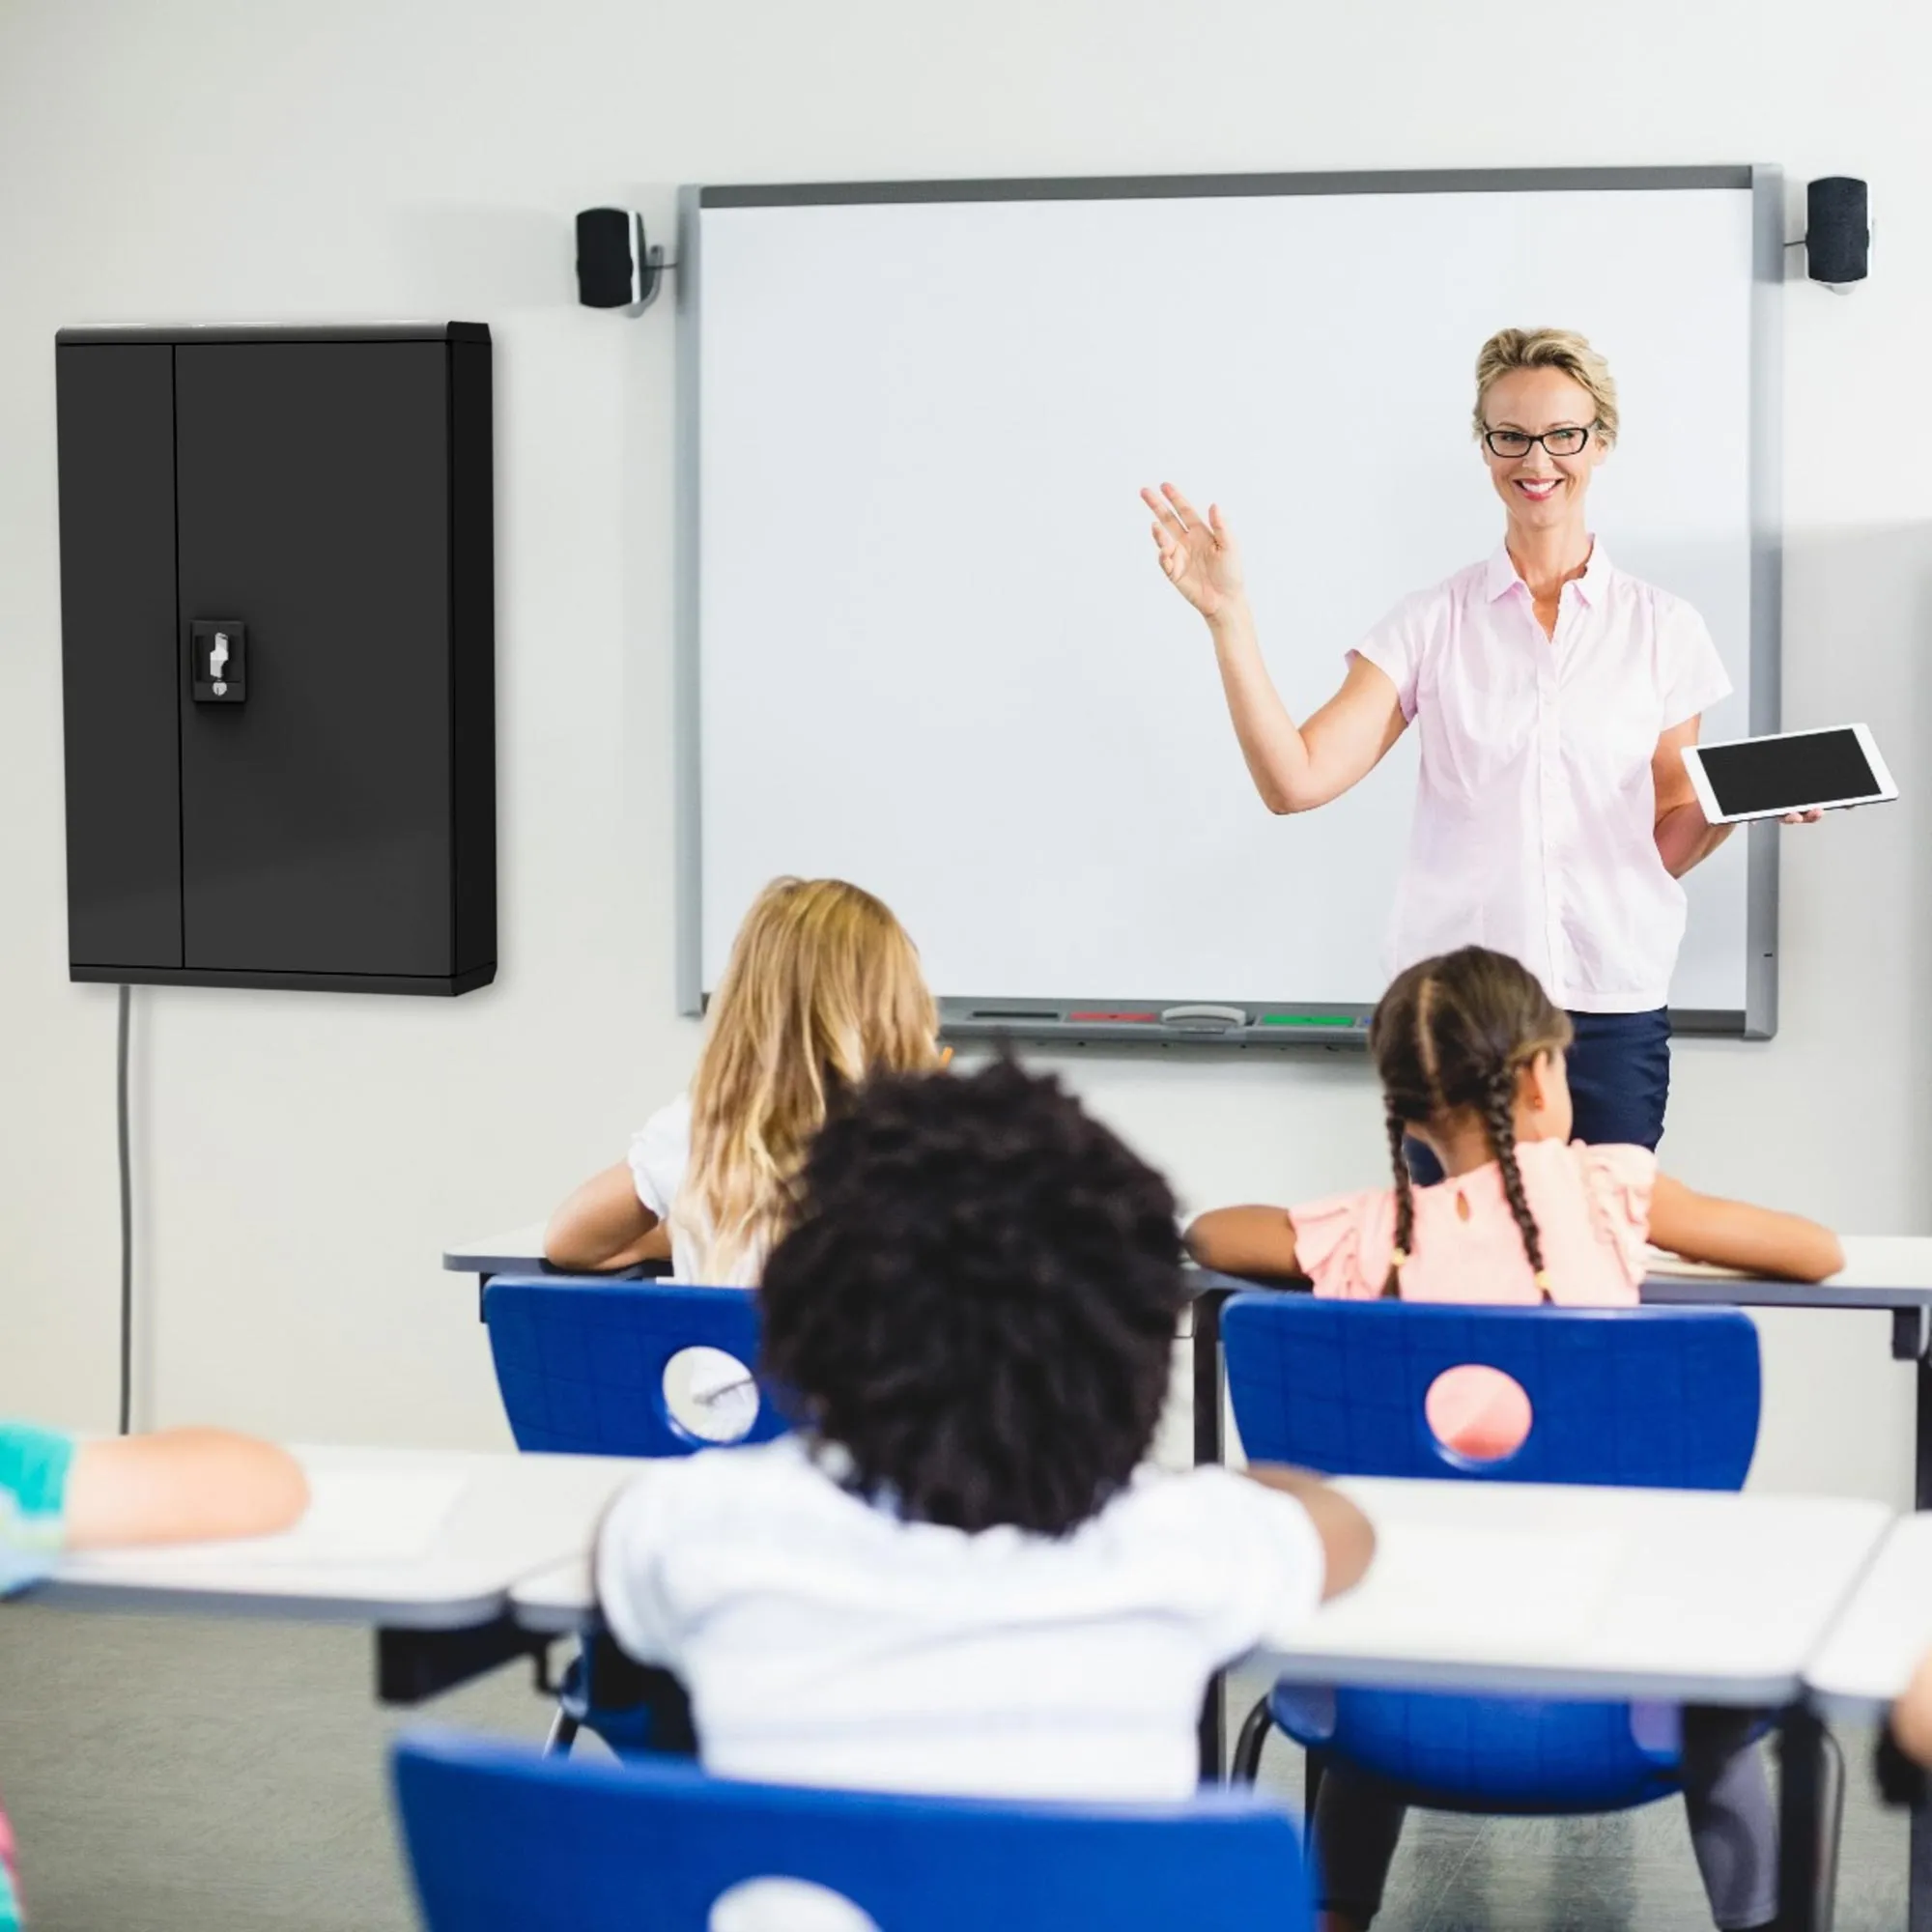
[
  {"x": 1247, "y": 1760},
  {"x": 564, "y": 1731},
  {"x": 1831, "y": 1821}
]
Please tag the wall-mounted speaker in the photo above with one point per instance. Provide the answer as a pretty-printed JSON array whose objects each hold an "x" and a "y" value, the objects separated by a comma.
[
  {"x": 1837, "y": 230},
  {"x": 616, "y": 266}
]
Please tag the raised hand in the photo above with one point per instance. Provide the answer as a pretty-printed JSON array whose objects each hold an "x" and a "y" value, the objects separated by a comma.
[{"x": 1198, "y": 554}]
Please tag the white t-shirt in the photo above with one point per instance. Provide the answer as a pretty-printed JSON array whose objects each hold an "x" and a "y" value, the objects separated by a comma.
[
  {"x": 660, "y": 1153},
  {"x": 825, "y": 1641},
  {"x": 1534, "y": 830}
]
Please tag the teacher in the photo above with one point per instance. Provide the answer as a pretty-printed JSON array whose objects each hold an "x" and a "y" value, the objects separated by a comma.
[{"x": 1554, "y": 693}]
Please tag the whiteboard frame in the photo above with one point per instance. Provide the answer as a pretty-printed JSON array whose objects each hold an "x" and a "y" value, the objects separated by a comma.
[{"x": 993, "y": 1017}]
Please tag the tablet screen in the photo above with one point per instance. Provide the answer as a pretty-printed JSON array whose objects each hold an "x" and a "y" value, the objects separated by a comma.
[{"x": 1782, "y": 774}]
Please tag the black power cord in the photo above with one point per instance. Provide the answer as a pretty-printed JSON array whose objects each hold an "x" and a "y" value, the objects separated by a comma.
[{"x": 126, "y": 1217}]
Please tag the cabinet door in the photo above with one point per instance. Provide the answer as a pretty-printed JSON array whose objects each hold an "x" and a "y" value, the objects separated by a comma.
[
  {"x": 118, "y": 654},
  {"x": 312, "y": 488}
]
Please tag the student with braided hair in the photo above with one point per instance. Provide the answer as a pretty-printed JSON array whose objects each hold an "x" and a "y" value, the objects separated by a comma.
[{"x": 1470, "y": 1051}]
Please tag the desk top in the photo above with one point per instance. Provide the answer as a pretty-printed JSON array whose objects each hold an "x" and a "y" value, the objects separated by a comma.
[
  {"x": 520, "y": 1251},
  {"x": 1885, "y": 1630},
  {"x": 556, "y": 1601},
  {"x": 1880, "y": 1271},
  {"x": 1525, "y": 1590},
  {"x": 409, "y": 1538},
  {"x": 1521, "y": 1590}
]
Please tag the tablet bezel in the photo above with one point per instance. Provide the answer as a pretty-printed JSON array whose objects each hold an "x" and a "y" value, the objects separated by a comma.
[{"x": 1707, "y": 800}]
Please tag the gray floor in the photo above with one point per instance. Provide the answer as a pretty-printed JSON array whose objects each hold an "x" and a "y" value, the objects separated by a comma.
[{"x": 167, "y": 1776}]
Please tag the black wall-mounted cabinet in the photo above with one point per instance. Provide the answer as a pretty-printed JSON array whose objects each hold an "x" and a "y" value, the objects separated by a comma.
[{"x": 315, "y": 805}]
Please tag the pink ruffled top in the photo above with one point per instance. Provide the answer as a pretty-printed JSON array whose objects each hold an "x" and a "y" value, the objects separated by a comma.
[{"x": 1592, "y": 1211}]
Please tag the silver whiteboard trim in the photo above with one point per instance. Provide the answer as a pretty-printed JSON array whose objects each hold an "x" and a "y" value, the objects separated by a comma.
[
  {"x": 1766, "y": 582},
  {"x": 686, "y": 751},
  {"x": 1041, "y": 1024},
  {"x": 1270, "y": 1025},
  {"x": 1149, "y": 188}
]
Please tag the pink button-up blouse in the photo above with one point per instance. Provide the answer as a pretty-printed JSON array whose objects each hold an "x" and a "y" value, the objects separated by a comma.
[{"x": 1535, "y": 814}]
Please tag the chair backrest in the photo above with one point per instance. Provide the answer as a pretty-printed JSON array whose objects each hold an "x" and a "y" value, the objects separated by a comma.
[
  {"x": 499, "y": 1837},
  {"x": 1644, "y": 1398},
  {"x": 1650, "y": 1397},
  {"x": 581, "y": 1362}
]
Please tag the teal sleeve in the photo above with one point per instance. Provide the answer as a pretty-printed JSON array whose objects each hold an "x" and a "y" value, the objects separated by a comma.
[{"x": 33, "y": 1468}]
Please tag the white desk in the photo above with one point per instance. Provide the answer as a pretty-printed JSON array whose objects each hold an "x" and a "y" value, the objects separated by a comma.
[
  {"x": 1888, "y": 1272},
  {"x": 520, "y": 1251},
  {"x": 1893, "y": 1272},
  {"x": 559, "y": 1602},
  {"x": 424, "y": 1545},
  {"x": 506, "y": 1516},
  {"x": 1880, "y": 1271},
  {"x": 1885, "y": 1630},
  {"x": 1871, "y": 1654},
  {"x": 1517, "y": 1589}
]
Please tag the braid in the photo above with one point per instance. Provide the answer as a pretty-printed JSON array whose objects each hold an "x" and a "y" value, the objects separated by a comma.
[
  {"x": 1499, "y": 1117},
  {"x": 1404, "y": 1206}
]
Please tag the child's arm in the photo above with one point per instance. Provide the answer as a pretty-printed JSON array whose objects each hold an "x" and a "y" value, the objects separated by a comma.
[
  {"x": 1347, "y": 1536},
  {"x": 1912, "y": 1716},
  {"x": 1244, "y": 1241},
  {"x": 604, "y": 1225},
  {"x": 180, "y": 1486},
  {"x": 1703, "y": 1228}
]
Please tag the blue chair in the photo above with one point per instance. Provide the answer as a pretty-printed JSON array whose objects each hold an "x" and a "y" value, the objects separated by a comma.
[
  {"x": 581, "y": 1361},
  {"x": 501, "y": 1840},
  {"x": 581, "y": 1367},
  {"x": 1650, "y": 1397}
]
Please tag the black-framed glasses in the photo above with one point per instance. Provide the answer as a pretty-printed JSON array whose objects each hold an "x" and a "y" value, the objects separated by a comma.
[{"x": 1515, "y": 442}]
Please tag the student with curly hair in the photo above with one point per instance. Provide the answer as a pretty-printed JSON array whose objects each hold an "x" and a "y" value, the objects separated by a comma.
[
  {"x": 1470, "y": 1051},
  {"x": 960, "y": 1575}
]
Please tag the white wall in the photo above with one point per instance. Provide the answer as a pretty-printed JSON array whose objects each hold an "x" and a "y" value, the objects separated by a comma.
[{"x": 302, "y": 1158}]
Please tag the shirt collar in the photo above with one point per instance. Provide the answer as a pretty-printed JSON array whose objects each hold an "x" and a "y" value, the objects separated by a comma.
[{"x": 1501, "y": 576}]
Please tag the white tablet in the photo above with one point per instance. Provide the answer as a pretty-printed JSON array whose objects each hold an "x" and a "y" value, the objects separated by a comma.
[{"x": 1796, "y": 771}]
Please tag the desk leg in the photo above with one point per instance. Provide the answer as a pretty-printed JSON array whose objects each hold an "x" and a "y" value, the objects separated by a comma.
[
  {"x": 1908, "y": 1343},
  {"x": 1209, "y": 1381},
  {"x": 1800, "y": 1819},
  {"x": 1918, "y": 1894},
  {"x": 1208, "y": 1397},
  {"x": 1921, "y": 1433},
  {"x": 413, "y": 1666}
]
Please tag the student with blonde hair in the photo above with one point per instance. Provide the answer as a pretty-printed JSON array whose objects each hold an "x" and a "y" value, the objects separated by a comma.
[{"x": 822, "y": 992}]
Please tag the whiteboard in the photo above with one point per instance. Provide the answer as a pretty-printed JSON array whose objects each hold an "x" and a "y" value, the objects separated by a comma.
[{"x": 928, "y": 646}]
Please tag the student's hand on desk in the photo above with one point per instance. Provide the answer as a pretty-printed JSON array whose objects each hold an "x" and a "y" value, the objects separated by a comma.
[{"x": 1198, "y": 554}]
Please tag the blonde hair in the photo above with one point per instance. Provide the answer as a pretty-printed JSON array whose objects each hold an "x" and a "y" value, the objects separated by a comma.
[
  {"x": 823, "y": 989},
  {"x": 1511, "y": 349}
]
